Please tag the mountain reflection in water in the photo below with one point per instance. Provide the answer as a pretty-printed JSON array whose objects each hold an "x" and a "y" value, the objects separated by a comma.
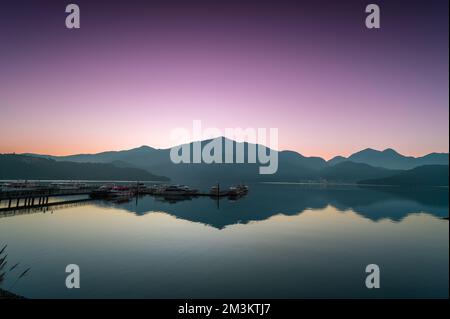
[
  {"x": 266, "y": 200},
  {"x": 279, "y": 241}
]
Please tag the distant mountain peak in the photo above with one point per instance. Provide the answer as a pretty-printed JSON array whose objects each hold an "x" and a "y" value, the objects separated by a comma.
[
  {"x": 142, "y": 147},
  {"x": 391, "y": 151},
  {"x": 373, "y": 152},
  {"x": 366, "y": 150},
  {"x": 337, "y": 158},
  {"x": 293, "y": 153}
]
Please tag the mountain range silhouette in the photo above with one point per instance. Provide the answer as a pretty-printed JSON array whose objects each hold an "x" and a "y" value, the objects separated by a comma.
[{"x": 368, "y": 164}]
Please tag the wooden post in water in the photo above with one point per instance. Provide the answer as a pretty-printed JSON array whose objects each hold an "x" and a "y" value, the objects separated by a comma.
[
  {"x": 137, "y": 192},
  {"x": 218, "y": 195}
]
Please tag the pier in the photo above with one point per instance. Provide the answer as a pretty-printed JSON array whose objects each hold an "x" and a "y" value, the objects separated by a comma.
[
  {"x": 43, "y": 192},
  {"x": 38, "y": 197},
  {"x": 4, "y": 212}
]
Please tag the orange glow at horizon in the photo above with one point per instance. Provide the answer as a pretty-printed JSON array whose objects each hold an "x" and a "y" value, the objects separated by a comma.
[{"x": 89, "y": 146}]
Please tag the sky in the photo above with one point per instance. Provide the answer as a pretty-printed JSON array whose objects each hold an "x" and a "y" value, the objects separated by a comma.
[{"x": 137, "y": 70}]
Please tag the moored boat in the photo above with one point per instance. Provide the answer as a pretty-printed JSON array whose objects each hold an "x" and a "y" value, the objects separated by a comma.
[
  {"x": 176, "y": 190},
  {"x": 69, "y": 185},
  {"x": 237, "y": 191},
  {"x": 216, "y": 191},
  {"x": 112, "y": 191}
]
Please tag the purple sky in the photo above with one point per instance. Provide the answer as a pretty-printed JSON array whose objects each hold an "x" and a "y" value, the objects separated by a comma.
[{"x": 134, "y": 72}]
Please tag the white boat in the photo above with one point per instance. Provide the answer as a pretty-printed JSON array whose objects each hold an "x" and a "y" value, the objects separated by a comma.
[
  {"x": 68, "y": 185},
  {"x": 22, "y": 185},
  {"x": 178, "y": 190}
]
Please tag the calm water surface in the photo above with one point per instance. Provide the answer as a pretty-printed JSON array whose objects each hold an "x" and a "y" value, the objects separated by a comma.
[{"x": 280, "y": 241}]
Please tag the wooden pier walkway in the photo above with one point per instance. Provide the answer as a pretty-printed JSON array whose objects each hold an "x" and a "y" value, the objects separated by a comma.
[
  {"x": 29, "y": 198},
  {"x": 43, "y": 192},
  {"x": 7, "y": 212}
]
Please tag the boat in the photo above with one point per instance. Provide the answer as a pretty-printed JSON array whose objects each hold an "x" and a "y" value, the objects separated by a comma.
[
  {"x": 238, "y": 191},
  {"x": 101, "y": 192},
  {"x": 215, "y": 191},
  {"x": 138, "y": 187},
  {"x": 21, "y": 185},
  {"x": 122, "y": 191},
  {"x": 69, "y": 185},
  {"x": 5, "y": 186},
  {"x": 175, "y": 190},
  {"x": 112, "y": 191}
]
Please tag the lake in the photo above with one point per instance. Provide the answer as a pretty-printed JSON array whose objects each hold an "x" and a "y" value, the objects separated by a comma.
[{"x": 280, "y": 241}]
